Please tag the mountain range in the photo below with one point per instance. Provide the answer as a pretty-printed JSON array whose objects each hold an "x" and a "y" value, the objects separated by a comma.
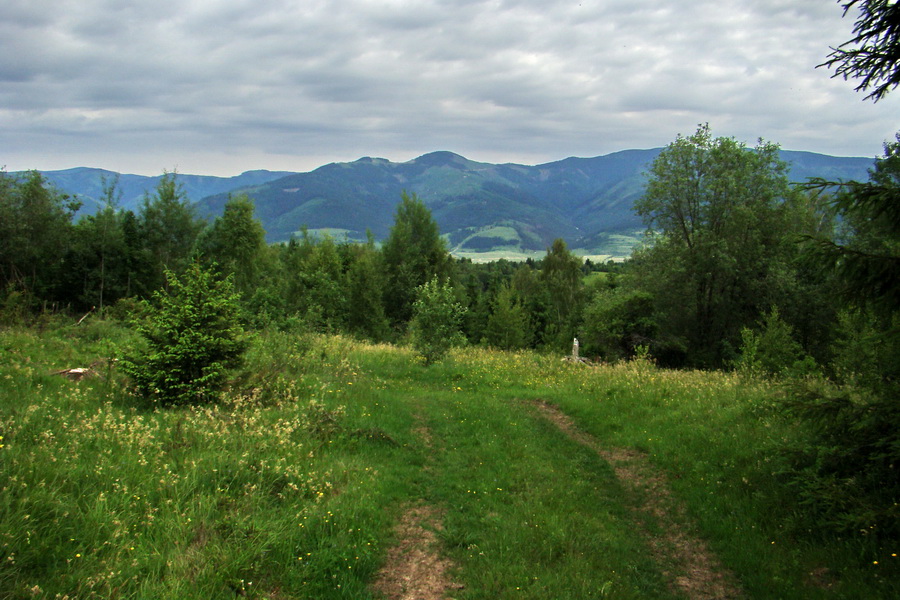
[{"x": 478, "y": 206}]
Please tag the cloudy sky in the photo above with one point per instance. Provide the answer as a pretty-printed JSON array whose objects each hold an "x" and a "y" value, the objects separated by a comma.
[{"x": 222, "y": 86}]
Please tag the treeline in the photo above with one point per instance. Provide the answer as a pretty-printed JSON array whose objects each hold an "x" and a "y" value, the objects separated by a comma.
[
  {"x": 50, "y": 263},
  {"x": 741, "y": 270},
  {"x": 725, "y": 269}
]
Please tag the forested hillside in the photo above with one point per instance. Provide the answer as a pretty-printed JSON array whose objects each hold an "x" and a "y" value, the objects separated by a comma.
[
  {"x": 87, "y": 185},
  {"x": 479, "y": 207}
]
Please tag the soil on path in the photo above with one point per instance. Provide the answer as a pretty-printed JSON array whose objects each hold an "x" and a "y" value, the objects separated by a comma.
[
  {"x": 415, "y": 569},
  {"x": 691, "y": 568}
]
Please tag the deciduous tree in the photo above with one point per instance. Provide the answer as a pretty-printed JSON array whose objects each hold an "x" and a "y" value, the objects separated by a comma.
[
  {"x": 717, "y": 213},
  {"x": 436, "y": 324}
]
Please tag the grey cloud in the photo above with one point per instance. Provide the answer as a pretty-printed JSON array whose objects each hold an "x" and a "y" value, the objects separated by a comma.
[{"x": 536, "y": 78}]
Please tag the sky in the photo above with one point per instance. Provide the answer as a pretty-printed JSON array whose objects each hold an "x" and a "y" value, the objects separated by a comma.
[{"x": 218, "y": 87}]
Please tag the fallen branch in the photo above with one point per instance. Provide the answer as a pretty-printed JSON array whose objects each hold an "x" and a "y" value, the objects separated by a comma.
[
  {"x": 85, "y": 315},
  {"x": 76, "y": 374}
]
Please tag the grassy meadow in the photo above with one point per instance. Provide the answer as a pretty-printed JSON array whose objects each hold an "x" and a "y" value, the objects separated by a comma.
[{"x": 292, "y": 485}]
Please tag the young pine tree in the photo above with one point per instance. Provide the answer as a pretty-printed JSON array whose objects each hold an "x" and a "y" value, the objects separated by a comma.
[{"x": 193, "y": 338}]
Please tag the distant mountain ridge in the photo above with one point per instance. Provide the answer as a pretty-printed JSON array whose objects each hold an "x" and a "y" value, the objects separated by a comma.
[
  {"x": 87, "y": 184},
  {"x": 478, "y": 206},
  {"x": 481, "y": 206}
]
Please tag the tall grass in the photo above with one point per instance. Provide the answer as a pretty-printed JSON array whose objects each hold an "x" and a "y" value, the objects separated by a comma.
[{"x": 290, "y": 486}]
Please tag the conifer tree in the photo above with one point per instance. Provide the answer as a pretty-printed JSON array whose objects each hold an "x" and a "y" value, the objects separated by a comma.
[
  {"x": 192, "y": 339},
  {"x": 413, "y": 254}
]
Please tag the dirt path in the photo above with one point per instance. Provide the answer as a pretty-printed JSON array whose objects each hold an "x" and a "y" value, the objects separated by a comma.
[
  {"x": 691, "y": 568},
  {"x": 414, "y": 569}
]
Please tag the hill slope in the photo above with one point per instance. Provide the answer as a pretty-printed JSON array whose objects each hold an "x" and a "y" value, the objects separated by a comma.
[
  {"x": 482, "y": 205},
  {"x": 87, "y": 184},
  {"x": 478, "y": 206}
]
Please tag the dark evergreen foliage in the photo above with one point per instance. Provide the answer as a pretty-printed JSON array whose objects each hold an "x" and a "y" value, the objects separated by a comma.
[
  {"x": 873, "y": 53},
  {"x": 849, "y": 473},
  {"x": 414, "y": 254},
  {"x": 193, "y": 339}
]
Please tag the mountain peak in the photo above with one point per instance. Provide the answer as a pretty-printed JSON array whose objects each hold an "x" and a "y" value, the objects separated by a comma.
[
  {"x": 372, "y": 160},
  {"x": 442, "y": 158}
]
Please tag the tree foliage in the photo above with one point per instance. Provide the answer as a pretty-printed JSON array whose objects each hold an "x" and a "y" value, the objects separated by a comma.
[
  {"x": 236, "y": 241},
  {"x": 561, "y": 279},
  {"x": 99, "y": 258},
  {"x": 365, "y": 280},
  {"x": 35, "y": 234},
  {"x": 617, "y": 321},
  {"x": 866, "y": 263},
  {"x": 717, "y": 213},
  {"x": 873, "y": 53},
  {"x": 848, "y": 473},
  {"x": 772, "y": 349},
  {"x": 193, "y": 338},
  {"x": 168, "y": 228},
  {"x": 508, "y": 326},
  {"x": 437, "y": 320},
  {"x": 414, "y": 254}
]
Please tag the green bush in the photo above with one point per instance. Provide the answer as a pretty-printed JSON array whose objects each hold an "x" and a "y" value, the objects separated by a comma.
[
  {"x": 846, "y": 476},
  {"x": 848, "y": 473},
  {"x": 772, "y": 350},
  {"x": 617, "y": 322},
  {"x": 16, "y": 306},
  {"x": 193, "y": 339},
  {"x": 437, "y": 320}
]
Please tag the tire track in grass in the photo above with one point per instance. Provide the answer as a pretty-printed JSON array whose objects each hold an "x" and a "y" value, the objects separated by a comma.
[
  {"x": 689, "y": 565},
  {"x": 414, "y": 568}
]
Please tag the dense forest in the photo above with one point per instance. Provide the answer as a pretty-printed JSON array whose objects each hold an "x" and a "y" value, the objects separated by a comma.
[{"x": 729, "y": 255}]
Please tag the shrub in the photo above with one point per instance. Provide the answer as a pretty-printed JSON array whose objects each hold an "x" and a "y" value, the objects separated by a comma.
[
  {"x": 437, "y": 320},
  {"x": 617, "y": 322},
  {"x": 16, "y": 305},
  {"x": 193, "y": 338},
  {"x": 848, "y": 473},
  {"x": 772, "y": 350}
]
